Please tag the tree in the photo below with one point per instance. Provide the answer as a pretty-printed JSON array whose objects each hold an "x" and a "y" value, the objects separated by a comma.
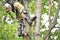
[
  {"x": 38, "y": 20},
  {"x": 27, "y": 27},
  {"x": 54, "y": 22},
  {"x": 49, "y": 12}
]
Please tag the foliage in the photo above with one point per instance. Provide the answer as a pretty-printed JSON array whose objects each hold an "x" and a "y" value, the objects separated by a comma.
[
  {"x": 32, "y": 6},
  {"x": 9, "y": 31}
]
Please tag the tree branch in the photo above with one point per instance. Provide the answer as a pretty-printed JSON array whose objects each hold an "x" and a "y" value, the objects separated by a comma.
[{"x": 54, "y": 22}]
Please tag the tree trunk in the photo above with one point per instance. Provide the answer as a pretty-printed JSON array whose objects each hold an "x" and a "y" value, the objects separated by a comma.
[
  {"x": 25, "y": 3},
  {"x": 27, "y": 27},
  {"x": 27, "y": 32},
  {"x": 38, "y": 20}
]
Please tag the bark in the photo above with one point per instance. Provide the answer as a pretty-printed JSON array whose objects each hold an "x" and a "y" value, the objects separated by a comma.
[
  {"x": 38, "y": 20},
  {"x": 27, "y": 27},
  {"x": 25, "y": 3},
  {"x": 27, "y": 32},
  {"x": 54, "y": 22}
]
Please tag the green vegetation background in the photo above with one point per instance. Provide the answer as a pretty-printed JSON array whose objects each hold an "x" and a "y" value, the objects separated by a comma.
[{"x": 9, "y": 31}]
